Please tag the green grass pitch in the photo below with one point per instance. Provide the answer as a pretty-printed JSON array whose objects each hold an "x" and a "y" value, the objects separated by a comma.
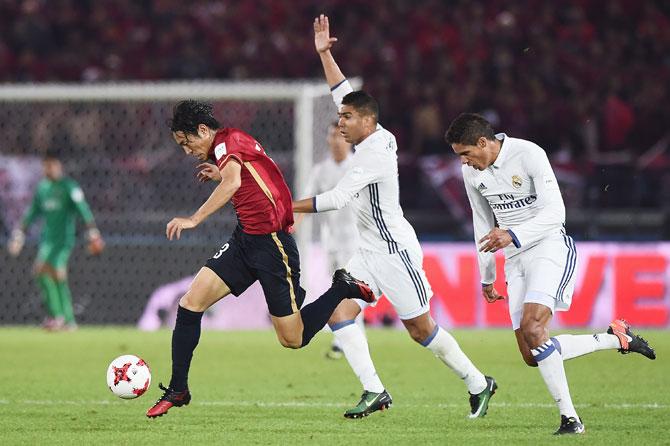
[{"x": 247, "y": 389}]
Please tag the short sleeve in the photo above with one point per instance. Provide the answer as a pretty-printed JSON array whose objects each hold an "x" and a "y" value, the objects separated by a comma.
[{"x": 232, "y": 147}]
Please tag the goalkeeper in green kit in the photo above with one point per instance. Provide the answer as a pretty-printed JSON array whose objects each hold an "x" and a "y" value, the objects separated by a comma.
[{"x": 58, "y": 200}]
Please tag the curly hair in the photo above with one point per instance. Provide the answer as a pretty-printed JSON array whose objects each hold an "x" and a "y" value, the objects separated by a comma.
[{"x": 188, "y": 114}]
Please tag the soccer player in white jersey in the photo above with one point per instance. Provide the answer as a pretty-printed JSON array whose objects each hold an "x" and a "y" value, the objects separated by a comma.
[
  {"x": 389, "y": 256},
  {"x": 517, "y": 206},
  {"x": 339, "y": 236}
]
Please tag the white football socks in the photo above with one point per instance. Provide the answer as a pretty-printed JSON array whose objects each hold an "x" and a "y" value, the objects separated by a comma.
[
  {"x": 550, "y": 363},
  {"x": 354, "y": 345},
  {"x": 572, "y": 346},
  {"x": 445, "y": 347},
  {"x": 360, "y": 321}
]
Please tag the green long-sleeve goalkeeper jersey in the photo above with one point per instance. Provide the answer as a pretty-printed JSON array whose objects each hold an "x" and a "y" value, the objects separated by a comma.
[{"x": 58, "y": 203}]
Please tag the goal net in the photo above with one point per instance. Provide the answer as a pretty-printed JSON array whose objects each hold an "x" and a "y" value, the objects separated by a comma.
[{"x": 114, "y": 140}]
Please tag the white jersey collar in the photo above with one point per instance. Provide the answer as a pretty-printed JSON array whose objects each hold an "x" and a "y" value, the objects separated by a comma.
[{"x": 504, "y": 151}]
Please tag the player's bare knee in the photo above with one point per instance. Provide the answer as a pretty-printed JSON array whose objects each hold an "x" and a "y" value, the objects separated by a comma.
[
  {"x": 290, "y": 342},
  {"x": 419, "y": 332},
  {"x": 533, "y": 332},
  {"x": 190, "y": 303}
]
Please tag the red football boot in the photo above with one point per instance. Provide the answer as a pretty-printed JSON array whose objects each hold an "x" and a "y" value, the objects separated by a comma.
[
  {"x": 359, "y": 289},
  {"x": 169, "y": 399}
]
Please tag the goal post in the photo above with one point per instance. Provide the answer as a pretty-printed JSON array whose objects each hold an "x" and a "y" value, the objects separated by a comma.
[{"x": 115, "y": 143}]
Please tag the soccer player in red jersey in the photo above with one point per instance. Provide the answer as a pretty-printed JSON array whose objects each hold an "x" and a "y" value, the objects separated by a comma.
[{"x": 261, "y": 247}]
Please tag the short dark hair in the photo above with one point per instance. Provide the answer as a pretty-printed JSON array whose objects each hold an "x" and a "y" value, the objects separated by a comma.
[
  {"x": 51, "y": 154},
  {"x": 363, "y": 103},
  {"x": 188, "y": 114},
  {"x": 468, "y": 128}
]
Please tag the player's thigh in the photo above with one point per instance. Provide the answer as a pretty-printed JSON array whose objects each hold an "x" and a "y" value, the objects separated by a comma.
[
  {"x": 275, "y": 261},
  {"x": 404, "y": 283},
  {"x": 205, "y": 290},
  {"x": 551, "y": 267},
  {"x": 516, "y": 290}
]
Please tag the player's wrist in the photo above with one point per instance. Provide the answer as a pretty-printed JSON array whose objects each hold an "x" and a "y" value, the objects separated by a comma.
[{"x": 93, "y": 233}]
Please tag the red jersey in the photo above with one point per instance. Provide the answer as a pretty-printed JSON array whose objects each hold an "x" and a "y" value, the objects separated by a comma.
[{"x": 263, "y": 202}]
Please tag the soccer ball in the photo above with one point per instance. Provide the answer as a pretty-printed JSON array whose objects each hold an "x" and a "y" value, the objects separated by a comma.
[{"x": 128, "y": 377}]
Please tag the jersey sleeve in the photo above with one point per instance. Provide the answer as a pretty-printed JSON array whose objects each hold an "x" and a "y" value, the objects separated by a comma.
[
  {"x": 552, "y": 208},
  {"x": 76, "y": 195},
  {"x": 339, "y": 91},
  {"x": 233, "y": 147},
  {"x": 34, "y": 211},
  {"x": 367, "y": 168},
  {"x": 483, "y": 221}
]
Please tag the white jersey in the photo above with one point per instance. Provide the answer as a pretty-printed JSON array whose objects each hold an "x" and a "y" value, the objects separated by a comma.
[
  {"x": 338, "y": 228},
  {"x": 519, "y": 191},
  {"x": 370, "y": 187}
]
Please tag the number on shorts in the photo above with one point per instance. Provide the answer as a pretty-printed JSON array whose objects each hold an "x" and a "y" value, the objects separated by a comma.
[{"x": 223, "y": 249}]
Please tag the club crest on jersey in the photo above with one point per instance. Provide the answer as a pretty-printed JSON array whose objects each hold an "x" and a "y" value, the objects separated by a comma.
[
  {"x": 220, "y": 150},
  {"x": 516, "y": 181},
  {"x": 481, "y": 187}
]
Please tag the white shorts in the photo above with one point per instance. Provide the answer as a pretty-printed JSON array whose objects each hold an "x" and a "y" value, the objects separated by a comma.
[
  {"x": 338, "y": 259},
  {"x": 544, "y": 274},
  {"x": 400, "y": 277}
]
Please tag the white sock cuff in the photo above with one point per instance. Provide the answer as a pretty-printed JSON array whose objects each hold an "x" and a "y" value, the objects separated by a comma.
[{"x": 543, "y": 351}]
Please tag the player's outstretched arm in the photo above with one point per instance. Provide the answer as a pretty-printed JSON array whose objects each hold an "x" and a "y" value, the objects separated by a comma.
[
  {"x": 304, "y": 206},
  {"x": 231, "y": 181},
  {"x": 323, "y": 43}
]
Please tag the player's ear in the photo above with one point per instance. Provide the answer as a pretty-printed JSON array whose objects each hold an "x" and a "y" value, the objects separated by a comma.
[
  {"x": 203, "y": 131},
  {"x": 481, "y": 142}
]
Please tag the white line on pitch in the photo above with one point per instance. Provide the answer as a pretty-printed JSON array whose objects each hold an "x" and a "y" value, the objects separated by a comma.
[{"x": 621, "y": 406}]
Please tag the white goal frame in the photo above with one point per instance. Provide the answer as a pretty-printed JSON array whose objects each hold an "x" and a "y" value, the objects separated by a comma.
[{"x": 302, "y": 93}]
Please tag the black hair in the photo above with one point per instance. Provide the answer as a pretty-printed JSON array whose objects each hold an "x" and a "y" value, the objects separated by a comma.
[
  {"x": 467, "y": 128},
  {"x": 363, "y": 103},
  {"x": 51, "y": 154},
  {"x": 188, "y": 114}
]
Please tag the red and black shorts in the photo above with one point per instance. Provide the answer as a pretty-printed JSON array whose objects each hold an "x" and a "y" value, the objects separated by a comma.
[{"x": 272, "y": 259}]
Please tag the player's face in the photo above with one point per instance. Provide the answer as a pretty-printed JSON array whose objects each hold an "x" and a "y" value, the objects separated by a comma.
[
  {"x": 197, "y": 145},
  {"x": 353, "y": 126},
  {"x": 477, "y": 156},
  {"x": 53, "y": 169},
  {"x": 339, "y": 148}
]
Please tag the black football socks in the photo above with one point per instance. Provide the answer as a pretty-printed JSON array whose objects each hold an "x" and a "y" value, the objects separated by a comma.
[
  {"x": 315, "y": 315},
  {"x": 185, "y": 338}
]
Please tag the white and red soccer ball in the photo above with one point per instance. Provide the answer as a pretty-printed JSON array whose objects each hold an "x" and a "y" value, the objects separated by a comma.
[{"x": 128, "y": 377}]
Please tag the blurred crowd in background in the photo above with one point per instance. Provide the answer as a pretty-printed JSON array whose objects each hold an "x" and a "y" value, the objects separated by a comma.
[{"x": 587, "y": 80}]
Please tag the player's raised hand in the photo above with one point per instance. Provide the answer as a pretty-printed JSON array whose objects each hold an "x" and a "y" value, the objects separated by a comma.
[
  {"x": 176, "y": 225},
  {"x": 322, "y": 40},
  {"x": 496, "y": 239},
  {"x": 208, "y": 172},
  {"x": 491, "y": 294}
]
